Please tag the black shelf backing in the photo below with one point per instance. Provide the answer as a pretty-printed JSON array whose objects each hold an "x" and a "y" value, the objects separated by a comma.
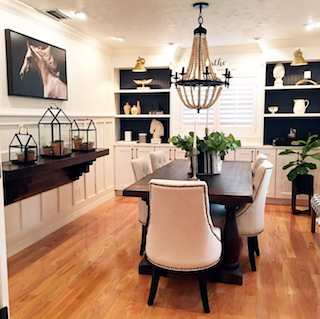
[
  {"x": 161, "y": 78},
  {"x": 293, "y": 74},
  {"x": 284, "y": 99},
  {"x": 142, "y": 126},
  {"x": 279, "y": 128},
  {"x": 148, "y": 101}
]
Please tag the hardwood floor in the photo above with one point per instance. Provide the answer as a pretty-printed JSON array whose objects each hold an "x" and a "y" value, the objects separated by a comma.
[{"x": 89, "y": 269}]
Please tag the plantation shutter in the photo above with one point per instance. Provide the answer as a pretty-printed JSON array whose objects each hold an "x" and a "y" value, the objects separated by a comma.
[{"x": 237, "y": 103}]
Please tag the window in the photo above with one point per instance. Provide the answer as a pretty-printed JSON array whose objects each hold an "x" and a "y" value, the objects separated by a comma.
[{"x": 234, "y": 112}]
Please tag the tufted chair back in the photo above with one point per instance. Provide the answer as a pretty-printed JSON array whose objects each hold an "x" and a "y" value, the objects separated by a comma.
[
  {"x": 260, "y": 158},
  {"x": 250, "y": 218},
  {"x": 158, "y": 160},
  {"x": 181, "y": 235}
]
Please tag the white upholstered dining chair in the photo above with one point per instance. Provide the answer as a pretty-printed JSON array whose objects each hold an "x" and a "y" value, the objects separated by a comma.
[
  {"x": 158, "y": 160},
  {"x": 141, "y": 169},
  {"x": 250, "y": 218},
  {"x": 181, "y": 236},
  {"x": 259, "y": 160}
]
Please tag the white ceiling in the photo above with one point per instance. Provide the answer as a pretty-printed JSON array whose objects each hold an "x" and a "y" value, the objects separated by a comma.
[{"x": 154, "y": 23}]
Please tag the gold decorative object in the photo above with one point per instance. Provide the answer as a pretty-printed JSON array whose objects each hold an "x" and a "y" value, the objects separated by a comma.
[
  {"x": 134, "y": 110},
  {"x": 298, "y": 59},
  {"x": 138, "y": 107},
  {"x": 139, "y": 66},
  {"x": 143, "y": 83}
]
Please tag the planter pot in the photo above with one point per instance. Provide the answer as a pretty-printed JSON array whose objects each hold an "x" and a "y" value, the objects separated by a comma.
[
  {"x": 77, "y": 144},
  {"x": 57, "y": 148},
  {"x": 47, "y": 151},
  {"x": 87, "y": 147},
  {"x": 20, "y": 157},
  {"x": 30, "y": 157},
  {"x": 208, "y": 164}
]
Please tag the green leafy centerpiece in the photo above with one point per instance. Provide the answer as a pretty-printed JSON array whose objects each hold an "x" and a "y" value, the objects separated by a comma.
[{"x": 210, "y": 150}]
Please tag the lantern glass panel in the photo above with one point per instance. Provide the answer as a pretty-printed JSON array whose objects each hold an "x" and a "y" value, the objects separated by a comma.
[
  {"x": 55, "y": 133},
  {"x": 23, "y": 149},
  {"x": 84, "y": 135}
]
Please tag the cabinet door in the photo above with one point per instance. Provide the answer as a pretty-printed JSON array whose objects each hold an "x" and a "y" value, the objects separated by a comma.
[
  {"x": 178, "y": 153},
  {"x": 272, "y": 156},
  {"x": 230, "y": 156},
  {"x": 123, "y": 169},
  {"x": 283, "y": 185},
  {"x": 167, "y": 152},
  {"x": 144, "y": 151},
  {"x": 245, "y": 154}
]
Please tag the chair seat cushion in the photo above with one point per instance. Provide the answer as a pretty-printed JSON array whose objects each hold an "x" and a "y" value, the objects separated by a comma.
[{"x": 315, "y": 204}]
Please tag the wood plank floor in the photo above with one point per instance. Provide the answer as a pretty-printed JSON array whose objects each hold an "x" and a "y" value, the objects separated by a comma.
[{"x": 89, "y": 269}]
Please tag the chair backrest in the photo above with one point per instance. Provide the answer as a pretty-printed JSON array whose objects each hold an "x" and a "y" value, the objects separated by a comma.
[
  {"x": 181, "y": 235},
  {"x": 250, "y": 220},
  {"x": 140, "y": 167},
  {"x": 259, "y": 159},
  {"x": 158, "y": 160}
]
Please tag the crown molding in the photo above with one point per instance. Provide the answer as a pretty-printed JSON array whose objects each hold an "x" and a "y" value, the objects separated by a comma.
[{"x": 26, "y": 12}]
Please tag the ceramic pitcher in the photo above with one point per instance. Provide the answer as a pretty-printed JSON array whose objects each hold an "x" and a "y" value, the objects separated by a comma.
[{"x": 300, "y": 106}]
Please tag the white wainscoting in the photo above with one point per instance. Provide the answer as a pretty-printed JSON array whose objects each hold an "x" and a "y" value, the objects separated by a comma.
[{"x": 33, "y": 218}]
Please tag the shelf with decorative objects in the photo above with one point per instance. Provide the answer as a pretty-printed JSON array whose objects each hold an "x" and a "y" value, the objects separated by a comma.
[
  {"x": 139, "y": 107},
  {"x": 292, "y": 102}
]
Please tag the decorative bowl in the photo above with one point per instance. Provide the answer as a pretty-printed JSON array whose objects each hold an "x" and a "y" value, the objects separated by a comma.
[
  {"x": 143, "y": 83},
  {"x": 273, "y": 109}
]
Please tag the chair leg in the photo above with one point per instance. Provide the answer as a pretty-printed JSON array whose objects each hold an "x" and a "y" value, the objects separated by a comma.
[
  {"x": 154, "y": 285},
  {"x": 256, "y": 246},
  {"x": 313, "y": 220},
  {"x": 143, "y": 239},
  {"x": 251, "y": 245},
  {"x": 203, "y": 291}
]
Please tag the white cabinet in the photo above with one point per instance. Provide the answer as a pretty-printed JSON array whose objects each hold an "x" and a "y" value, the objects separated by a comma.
[
  {"x": 272, "y": 157},
  {"x": 245, "y": 154},
  {"x": 171, "y": 153},
  {"x": 230, "y": 156}
]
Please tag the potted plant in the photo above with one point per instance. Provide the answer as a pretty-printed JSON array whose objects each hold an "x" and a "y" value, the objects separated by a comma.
[
  {"x": 87, "y": 146},
  {"x": 57, "y": 147},
  {"x": 47, "y": 149},
  {"x": 30, "y": 155},
  {"x": 210, "y": 150},
  {"x": 77, "y": 141},
  {"x": 21, "y": 156},
  {"x": 302, "y": 182}
]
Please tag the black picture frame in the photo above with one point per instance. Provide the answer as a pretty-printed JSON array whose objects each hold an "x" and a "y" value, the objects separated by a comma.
[{"x": 35, "y": 68}]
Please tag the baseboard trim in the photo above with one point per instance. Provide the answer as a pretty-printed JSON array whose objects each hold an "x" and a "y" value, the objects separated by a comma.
[
  {"x": 286, "y": 201},
  {"x": 15, "y": 248},
  {"x": 4, "y": 313}
]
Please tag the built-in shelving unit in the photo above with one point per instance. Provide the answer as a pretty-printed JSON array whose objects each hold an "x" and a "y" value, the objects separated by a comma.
[
  {"x": 278, "y": 125},
  {"x": 157, "y": 98}
]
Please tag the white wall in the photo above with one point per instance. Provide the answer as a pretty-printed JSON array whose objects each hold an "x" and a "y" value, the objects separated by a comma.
[{"x": 90, "y": 94}]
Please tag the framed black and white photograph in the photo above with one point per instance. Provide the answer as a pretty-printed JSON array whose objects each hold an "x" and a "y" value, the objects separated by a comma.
[{"x": 35, "y": 68}]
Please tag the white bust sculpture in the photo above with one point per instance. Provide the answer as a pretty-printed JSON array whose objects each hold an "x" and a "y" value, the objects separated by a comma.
[
  {"x": 278, "y": 73},
  {"x": 157, "y": 130}
]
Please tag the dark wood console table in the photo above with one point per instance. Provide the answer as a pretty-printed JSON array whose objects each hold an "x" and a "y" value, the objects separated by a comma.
[{"x": 22, "y": 181}]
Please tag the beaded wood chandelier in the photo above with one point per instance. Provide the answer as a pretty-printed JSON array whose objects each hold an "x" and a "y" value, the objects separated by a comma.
[{"x": 199, "y": 87}]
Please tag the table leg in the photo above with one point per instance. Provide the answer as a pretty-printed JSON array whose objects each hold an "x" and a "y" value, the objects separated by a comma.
[{"x": 230, "y": 270}]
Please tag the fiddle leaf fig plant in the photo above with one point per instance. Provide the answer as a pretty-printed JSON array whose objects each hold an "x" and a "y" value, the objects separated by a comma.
[
  {"x": 212, "y": 143},
  {"x": 300, "y": 166}
]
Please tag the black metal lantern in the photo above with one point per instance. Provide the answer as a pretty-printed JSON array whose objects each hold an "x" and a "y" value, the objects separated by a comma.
[
  {"x": 55, "y": 133},
  {"x": 23, "y": 148},
  {"x": 84, "y": 135}
]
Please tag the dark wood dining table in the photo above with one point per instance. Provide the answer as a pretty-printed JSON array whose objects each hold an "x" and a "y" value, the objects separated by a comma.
[{"x": 231, "y": 188}]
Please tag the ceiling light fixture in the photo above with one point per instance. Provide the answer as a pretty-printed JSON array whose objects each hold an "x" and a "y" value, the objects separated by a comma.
[
  {"x": 298, "y": 59},
  {"x": 139, "y": 66},
  {"x": 119, "y": 39},
  {"x": 80, "y": 15},
  {"x": 199, "y": 87}
]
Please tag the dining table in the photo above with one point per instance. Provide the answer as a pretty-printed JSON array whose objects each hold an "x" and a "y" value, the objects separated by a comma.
[{"x": 231, "y": 188}]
